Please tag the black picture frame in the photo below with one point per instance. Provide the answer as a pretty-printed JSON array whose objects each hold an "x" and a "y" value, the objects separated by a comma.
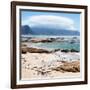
[{"x": 14, "y": 84}]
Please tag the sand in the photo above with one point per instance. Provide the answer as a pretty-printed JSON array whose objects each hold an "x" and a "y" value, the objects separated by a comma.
[{"x": 41, "y": 65}]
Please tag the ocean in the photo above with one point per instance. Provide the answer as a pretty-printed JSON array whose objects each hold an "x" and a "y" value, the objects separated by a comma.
[{"x": 60, "y": 42}]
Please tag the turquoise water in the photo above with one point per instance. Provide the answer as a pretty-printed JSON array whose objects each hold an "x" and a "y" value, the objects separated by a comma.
[{"x": 56, "y": 44}]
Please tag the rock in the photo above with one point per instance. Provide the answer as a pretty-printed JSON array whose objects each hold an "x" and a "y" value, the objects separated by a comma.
[
  {"x": 24, "y": 50},
  {"x": 55, "y": 50},
  {"x": 66, "y": 50},
  {"x": 73, "y": 50},
  {"x": 36, "y": 50},
  {"x": 40, "y": 40},
  {"x": 52, "y": 39},
  {"x": 23, "y": 45},
  {"x": 74, "y": 38},
  {"x": 69, "y": 67},
  {"x": 24, "y": 39},
  {"x": 72, "y": 41}
]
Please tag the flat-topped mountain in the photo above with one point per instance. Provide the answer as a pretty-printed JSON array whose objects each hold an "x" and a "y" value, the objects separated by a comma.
[{"x": 26, "y": 30}]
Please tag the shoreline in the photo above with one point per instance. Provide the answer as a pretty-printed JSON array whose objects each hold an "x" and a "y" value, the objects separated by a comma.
[
  {"x": 49, "y": 65},
  {"x": 41, "y": 63}
]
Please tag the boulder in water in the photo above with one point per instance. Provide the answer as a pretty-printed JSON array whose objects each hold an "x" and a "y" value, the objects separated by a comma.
[
  {"x": 40, "y": 40},
  {"x": 73, "y": 50},
  {"x": 66, "y": 50}
]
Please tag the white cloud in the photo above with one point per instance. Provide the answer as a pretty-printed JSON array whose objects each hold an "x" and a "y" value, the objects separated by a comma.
[{"x": 50, "y": 21}]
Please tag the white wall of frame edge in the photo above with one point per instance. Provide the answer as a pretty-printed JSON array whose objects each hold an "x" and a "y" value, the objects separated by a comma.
[{"x": 5, "y": 44}]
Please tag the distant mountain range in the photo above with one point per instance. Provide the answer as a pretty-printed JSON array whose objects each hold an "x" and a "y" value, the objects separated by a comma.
[{"x": 26, "y": 30}]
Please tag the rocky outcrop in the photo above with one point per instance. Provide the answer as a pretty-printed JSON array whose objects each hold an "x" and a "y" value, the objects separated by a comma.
[
  {"x": 67, "y": 50},
  {"x": 73, "y": 50},
  {"x": 33, "y": 50},
  {"x": 69, "y": 67},
  {"x": 36, "y": 50},
  {"x": 40, "y": 40},
  {"x": 24, "y": 50}
]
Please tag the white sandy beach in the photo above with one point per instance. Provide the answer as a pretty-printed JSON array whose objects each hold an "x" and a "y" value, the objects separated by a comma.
[{"x": 43, "y": 65}]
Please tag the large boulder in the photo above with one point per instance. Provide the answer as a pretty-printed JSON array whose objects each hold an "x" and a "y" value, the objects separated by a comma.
[
  {"x": 36, "y": 50},
  {"x": 69, "y": 67},
  {"x": 40, "y": 40},
  {"x": 33, "y": 50}
]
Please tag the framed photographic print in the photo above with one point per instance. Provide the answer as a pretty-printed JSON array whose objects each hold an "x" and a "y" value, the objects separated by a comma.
[{"x": 48, "y": 44}]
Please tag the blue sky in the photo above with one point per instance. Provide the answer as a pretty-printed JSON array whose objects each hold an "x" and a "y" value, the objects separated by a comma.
[{"x": 28, "y": 17}]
